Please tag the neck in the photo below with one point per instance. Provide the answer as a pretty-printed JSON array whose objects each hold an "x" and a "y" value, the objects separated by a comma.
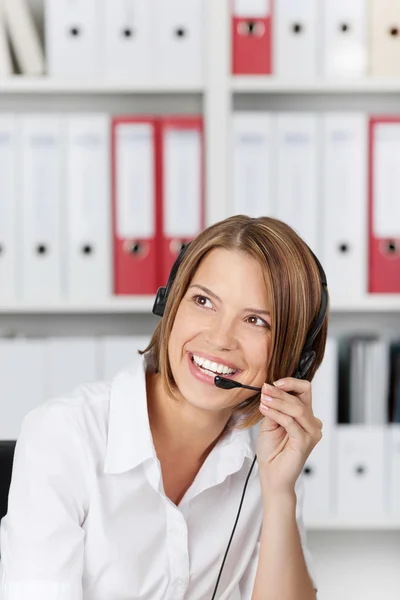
[{"x": 178, "y": 427}]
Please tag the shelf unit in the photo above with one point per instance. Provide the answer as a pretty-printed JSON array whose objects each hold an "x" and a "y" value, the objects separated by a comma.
[{"x": 218, "y": 95}]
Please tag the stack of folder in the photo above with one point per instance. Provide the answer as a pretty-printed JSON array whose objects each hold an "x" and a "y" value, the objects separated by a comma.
[
  {"x": 153, "y": 40},
  {"x": 316, "y": 38},
  {"x": 93, "y": 207},
  {"x": 333, "y": 178}
]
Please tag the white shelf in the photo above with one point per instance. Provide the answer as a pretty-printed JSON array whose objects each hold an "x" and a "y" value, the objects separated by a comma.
[
  {"x": 48, "y": 85},
  {"x": 371, "y": 303},
  {"x": 367, "y": 524},
  {"x": 144, "y": 305},
  {"x": 118, "y": 305},
  {"x": 271, "y": 85}
]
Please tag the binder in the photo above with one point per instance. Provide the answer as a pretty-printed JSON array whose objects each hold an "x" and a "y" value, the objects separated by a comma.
[
  {"x": 179, "y": 40},
  {"x": 69, "y": 362},
  {"x": 384, "y": 209},
  {"x": 253, "y": 152},
  {"x": 8, "y": 208},
  {"x": 392, "y": 471},
  {"x": 297, "y": 156},
  {"x": 88, "y": 207},
  {"x": 42, "y": 178},
  {"x": 345, "y": 205},
  {"x": 135, "y": 205},
  {"x": 182, "y": 186},
  {"x": 385, "y": 38},
  {"x": 296, "y": 38},
  {"x": 345, "y": 38},
  {"x": 319, "y": 480},
  {"x": 6, "y": 67},
  {"x": 21, "y": 383},
  {"x": 319, "y": 469},
  {"x": 129, "y": 39},
  {"x": 117, "y": 352},
  {"x": 252, "y": 37},
  {"x": 24, "y": 37},
  {"x": 73, "y": 37},
  {"x": 361, "y": 471}
]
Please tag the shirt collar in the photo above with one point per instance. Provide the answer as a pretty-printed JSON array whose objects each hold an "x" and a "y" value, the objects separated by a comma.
[{"x": 130, "y": 442}]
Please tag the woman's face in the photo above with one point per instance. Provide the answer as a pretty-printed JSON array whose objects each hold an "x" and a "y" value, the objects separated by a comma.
[{"x": 223, "y": 318}]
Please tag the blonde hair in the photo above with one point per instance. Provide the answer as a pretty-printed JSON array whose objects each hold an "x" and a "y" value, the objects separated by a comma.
[{"x": 292, "y": 279}]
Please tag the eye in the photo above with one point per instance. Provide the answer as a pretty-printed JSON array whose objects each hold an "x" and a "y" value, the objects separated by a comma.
[
  {"x": 259, "y": 322},
  {"x": 200, "y": 300}
]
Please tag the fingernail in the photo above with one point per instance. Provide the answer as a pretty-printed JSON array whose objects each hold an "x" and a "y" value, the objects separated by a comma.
[
  {"x": 279, "y": 383},
  {"x": 266, "y": 398}
]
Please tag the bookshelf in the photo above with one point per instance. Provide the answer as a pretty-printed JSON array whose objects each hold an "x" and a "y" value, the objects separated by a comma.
[{"x": 217, "y": 96}]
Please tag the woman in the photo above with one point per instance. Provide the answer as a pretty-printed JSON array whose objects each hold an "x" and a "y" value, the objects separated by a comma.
[{"x": 130, "y": 489}]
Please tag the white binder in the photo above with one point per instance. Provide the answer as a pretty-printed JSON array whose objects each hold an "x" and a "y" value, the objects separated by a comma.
[
  {"x": 69, "y": 362},
  {"x": 39, "y": 215},
  {"x": 385, "y": 38},
  {"x": 129, "y": 39},
  {"x": 296, "y": 38},
  {"x": 21, "y": 383},
  {"x": 345, "y": 38},
  {"x": 24, "y": 37},
  {"x": 319, "y": 469},
  {"x": 9, "y": 238},
  {"x": 88, "y": 207},
  {"x": 297, "y": 154},
  {"x": 392, "y": 470},
  {"x": 6, "y": 67},
  {"x": 179, "y": 40},
  {"x": 319, "y": 479},
  {"x": 253, "y": 154},
  {"x": 74, "y": 37},
  {"x": 361, "y": 471},
  {"x": 118, "y": 352},
  {"x": 345, "y": 205}
]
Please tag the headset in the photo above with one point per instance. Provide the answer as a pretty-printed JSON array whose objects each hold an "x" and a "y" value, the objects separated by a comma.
[{"x": 306, "y": 360}]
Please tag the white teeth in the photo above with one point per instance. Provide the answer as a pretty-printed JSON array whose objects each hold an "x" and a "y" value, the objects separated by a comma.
[{"x": 212, "y": 366}]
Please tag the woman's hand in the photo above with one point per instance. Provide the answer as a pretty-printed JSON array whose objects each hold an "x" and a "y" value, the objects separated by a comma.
[{"x": 288, "y": 433}]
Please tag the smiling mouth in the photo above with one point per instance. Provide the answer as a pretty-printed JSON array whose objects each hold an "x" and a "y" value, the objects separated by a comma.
[{"x": 210, "y": 372}]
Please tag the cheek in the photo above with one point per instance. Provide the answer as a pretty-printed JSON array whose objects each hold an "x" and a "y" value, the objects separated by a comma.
[{"x": 257, "y": 353}]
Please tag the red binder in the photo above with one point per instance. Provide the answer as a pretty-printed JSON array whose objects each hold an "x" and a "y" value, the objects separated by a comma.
[
  {"x": 135, "y": 205},
  {"x": 384, "y": 224},
  {"x": 252, "y": 37},
  {"x": 181, "y": 186}
]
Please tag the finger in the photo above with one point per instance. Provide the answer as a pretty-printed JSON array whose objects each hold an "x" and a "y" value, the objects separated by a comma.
[
  {"x": 300, "y": 387},
  {"x": 295, "y": 409},
  {"x": 293, "y": 428}
]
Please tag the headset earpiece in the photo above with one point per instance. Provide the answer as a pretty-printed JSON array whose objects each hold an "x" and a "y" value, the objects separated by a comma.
[
  {"x": 305, "y": 363},
  {"x": 163, "y": 292}
]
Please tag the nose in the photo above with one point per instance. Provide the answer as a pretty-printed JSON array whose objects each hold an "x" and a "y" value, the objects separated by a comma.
[{"x": 222, "y": 335}]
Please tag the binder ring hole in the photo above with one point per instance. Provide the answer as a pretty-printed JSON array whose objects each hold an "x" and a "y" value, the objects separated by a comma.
[
  {"x": 128, "y": 32},
  {"x": 75, "y": 31},
  {"x": 394, "y": 31},
  {"x": 136, "y": 248},
  {"x": 251, "y": 28},
  {"x": 87, "y": 249},
  {"x": 176, "y": 246},
  {"x": 297, "y": 28},
  {"x": 41, "y": 249},
  {"x": 180, "y": 32},
  {"x": 360, "y": 470},
  {"x": 308, "y": 470},
  {"x": 392, "y": 247},
  {"x": 344, "y": 248},
  {"x": 344, "y": 27}
]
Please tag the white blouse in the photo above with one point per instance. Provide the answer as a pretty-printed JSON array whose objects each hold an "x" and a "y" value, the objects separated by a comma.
[{"x": 88, "y": 517}]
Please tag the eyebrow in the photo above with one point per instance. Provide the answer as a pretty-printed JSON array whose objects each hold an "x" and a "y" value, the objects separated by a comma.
[{"x": 210, "y": 293}]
